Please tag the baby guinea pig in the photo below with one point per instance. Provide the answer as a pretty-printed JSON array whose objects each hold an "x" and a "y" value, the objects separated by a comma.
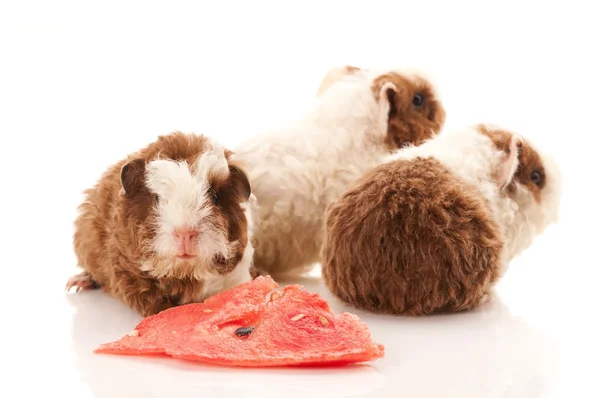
[
  {"x": 360, "y": 117},
  {"x": 171, "y": 224},
  {"x": 434, "y": 227}
]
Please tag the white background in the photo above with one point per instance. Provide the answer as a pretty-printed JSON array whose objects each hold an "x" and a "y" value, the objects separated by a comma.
[{"x": 83, "y": 83}]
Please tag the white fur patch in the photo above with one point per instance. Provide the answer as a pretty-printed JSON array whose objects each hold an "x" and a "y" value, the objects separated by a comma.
[
  {"x": 466, "y": 153},
  {"x": 296, "y": 171},
  {"x": 212, "y": 163}
]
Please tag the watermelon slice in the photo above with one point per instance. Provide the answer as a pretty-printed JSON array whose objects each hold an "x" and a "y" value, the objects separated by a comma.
[{"x": 253, "y": 325}]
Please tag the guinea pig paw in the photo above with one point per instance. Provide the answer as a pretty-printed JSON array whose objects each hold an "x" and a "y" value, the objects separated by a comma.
[
  {"x": 82, "y": 281},
  {"x": 256, "y": 272}
]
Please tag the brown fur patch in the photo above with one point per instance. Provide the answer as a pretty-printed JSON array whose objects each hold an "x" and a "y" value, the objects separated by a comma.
[
  {"x": 529, "y": 161},
  {"x": 410, "y": 123},
  {"x": 235, "y": 190},
  {"x": 113, "y": 231},
  {"x": 410, "y": 238},
  {"x": 132, "y": 177}
]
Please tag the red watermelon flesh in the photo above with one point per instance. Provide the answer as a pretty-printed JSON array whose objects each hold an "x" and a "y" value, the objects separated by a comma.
[
  {"x": 153, "y": 333},
  {"x": 292, "y": 327}
]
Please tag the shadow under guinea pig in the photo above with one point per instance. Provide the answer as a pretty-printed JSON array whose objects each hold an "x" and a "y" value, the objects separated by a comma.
[{"x": 99, "y": 319}]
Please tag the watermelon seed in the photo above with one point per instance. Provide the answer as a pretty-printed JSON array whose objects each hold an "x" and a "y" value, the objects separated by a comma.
[
  {"x": 297, "y": 317},
  {"x": 323, "y": 320},
  {"x": 134, "y": 333},
  {"x": 207, "y": 310},
  {"x": 244, "y": 331}
]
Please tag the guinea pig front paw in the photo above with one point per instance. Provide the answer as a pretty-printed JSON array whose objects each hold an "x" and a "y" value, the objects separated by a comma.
[
  {"x": 82, "y": 281},
  {"x": 256, "y": 272}
]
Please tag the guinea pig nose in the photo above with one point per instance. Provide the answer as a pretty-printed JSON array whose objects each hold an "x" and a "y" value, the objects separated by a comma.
[{"x": 185, "y": 234}]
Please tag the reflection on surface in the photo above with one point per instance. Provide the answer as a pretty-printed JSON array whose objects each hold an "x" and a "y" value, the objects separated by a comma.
[
  {"x": 100, "y": 319},
  {"x": 485, "y": 353}
]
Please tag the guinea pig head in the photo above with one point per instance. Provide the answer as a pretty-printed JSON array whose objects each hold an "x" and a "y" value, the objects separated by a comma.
[
  {"x": 404, "y": 105},
  {"x": 531, "y": 179},
  {"x": 414, "y": 111},
  {"x": 190, "y": 211}
]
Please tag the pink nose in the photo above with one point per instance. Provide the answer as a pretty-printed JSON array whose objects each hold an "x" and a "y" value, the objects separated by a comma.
[
  {"x": 186, "y": 234},
  {"x": 186, "y": 239}
]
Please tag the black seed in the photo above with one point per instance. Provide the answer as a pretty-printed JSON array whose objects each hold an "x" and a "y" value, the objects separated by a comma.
[{"x": 244, "y": 331}]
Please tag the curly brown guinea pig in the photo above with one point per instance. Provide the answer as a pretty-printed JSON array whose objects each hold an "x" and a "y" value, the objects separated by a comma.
[
  {"x": 169, "y": 225},
  {"x": 434, "y": 227}
]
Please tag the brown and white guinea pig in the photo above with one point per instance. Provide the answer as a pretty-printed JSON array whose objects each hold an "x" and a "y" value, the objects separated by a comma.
[
  {"x": 434, "y": 227},
  {"x": 170, "y": 224},
  {"x": 296, "y": 171}
]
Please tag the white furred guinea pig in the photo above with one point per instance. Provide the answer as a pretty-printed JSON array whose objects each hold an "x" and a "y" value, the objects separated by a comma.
[
  {"x": 169, "y": 225},
  {"x": 435, "y": 226},
  {"x": 296, "y": 171}
]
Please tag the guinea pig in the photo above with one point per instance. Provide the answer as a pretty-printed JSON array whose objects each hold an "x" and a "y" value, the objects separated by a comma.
[
  {"x": 168, "y": 225},
  {"x": 432, "y": 228},
  {"x": 296, "y": 171}
]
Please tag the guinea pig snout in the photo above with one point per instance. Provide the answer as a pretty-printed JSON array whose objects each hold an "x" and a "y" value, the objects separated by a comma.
[{"x": 185, "y": 239}]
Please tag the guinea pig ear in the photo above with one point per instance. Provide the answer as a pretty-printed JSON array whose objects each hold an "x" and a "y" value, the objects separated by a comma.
[
  {"x": 387, "y": 103},
  {"x": 240, "y": 180},
  {"x": 510, "y": 163},
  {"x": 132, "y": 176}
]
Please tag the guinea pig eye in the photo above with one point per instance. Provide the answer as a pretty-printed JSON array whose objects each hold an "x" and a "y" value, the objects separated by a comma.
[
  {"x": 156, "y": 198},
  {"x": 536, "y": 177},
  {"x": 417, "y": 100}
]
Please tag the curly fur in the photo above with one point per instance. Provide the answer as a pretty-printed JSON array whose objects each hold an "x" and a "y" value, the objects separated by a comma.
[
  {"x": 123, "y": 233},
  {"x": 297, "y": 171},
  {"x": 433, "y": 228}
]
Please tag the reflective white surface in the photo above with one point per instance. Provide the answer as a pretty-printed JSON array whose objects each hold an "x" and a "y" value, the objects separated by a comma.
[
  {"x": 527, "y": 342},
  {"x": 490, "y": 353},
  {"x": 82, "y": 85}
]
